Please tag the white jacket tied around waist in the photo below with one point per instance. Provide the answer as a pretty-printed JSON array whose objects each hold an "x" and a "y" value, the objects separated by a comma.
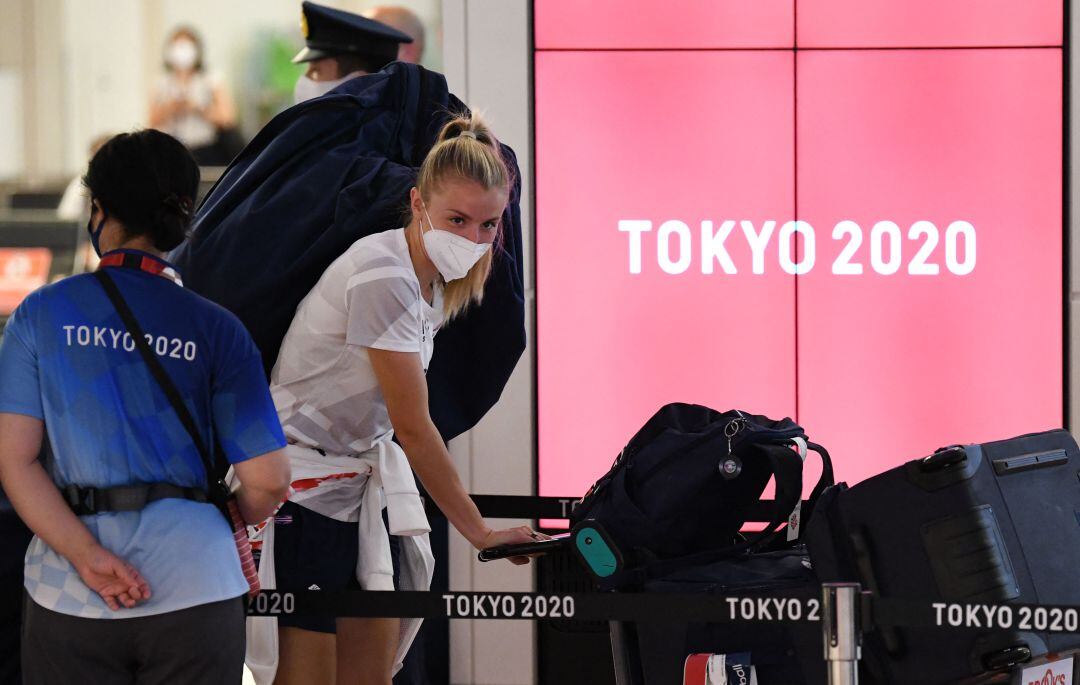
[{"x": 383, "y": 480}]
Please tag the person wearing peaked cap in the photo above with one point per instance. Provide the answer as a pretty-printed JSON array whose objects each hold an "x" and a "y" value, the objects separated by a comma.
[{"x": 340, "y": 46}]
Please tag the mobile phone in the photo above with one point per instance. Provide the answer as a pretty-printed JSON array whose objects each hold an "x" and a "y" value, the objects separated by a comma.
[{"x": 523, "y": 549}]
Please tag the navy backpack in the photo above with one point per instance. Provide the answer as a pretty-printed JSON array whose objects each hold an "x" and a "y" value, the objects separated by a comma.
[{"x": 682, "y": 488}]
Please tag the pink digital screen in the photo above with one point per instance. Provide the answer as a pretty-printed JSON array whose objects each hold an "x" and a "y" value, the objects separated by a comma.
[
  {"x": 676, "y": 24},
  {"x": 638, "y": 175},
  {"x": 868, "y": 241},
  {"x": 933, "y": 312},
  {"x": 929, "y": 23}
]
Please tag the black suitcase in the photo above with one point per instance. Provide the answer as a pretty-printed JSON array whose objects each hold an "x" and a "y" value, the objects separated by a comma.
[
  {"x": 649, "y": 653},
  {"x": 996, "y": 522}
]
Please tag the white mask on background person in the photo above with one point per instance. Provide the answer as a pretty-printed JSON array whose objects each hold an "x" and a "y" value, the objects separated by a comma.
[
  {"x": 308, "y": 89},
  {"x": 182, "y": 54},
  {"x": 452, "y": 254}
]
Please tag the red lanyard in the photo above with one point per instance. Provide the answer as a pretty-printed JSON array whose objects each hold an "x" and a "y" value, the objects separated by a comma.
[{"x": 142, "y": 262}]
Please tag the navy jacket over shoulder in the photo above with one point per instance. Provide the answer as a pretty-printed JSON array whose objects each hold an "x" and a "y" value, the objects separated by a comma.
[{"x": 319, "y": 177}]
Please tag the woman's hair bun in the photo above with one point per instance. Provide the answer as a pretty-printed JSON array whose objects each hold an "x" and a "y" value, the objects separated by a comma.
[
  {"x": 472, "y": 126},
  {"x": 182, "y": 206}
]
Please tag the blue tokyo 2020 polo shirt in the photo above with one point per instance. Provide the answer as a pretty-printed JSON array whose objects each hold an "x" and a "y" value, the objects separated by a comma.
[{"x": 66, "y": 358}]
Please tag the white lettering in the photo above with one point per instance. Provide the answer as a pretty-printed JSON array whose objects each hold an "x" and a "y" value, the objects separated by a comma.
[
  {"x": 890, "y": 248},
  {"x": 746, "y": 606},
  {"x": 449, "y": 603},
  {"x": 1005, "y": 617},
  {"x": 663, "y": 238},
  {"x": 877, "y": 239},
  {"x": 99, "y": 336},
  {"x": 712, "y": 247},
  {"x": 478, "y": 606},
  {"x": 129, "y": 339},
  {"x": 939, "y": 608},
  {"x": 116, "y": 335},
  {"x": 763, "y": 612},
  {"x": 82, "y": 334},
  {"x": 843, "y": 266},
  {"x": 794, "y": 610},
  {"x": 787, "y": 231},
  {"x": 955, "y": 615},
  {"x": 758, "y": 242},
  {"x": 919, "y": 266},
  {"x": 952, "y": 237},
  {"x": 971, "y": 616},
  {"x": 509, "y": 608},
  {"x": 635, "y": 227},
  {"x": 68, "y": 330}
]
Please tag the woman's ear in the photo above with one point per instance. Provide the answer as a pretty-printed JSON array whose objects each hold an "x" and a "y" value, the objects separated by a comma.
[{"x": 416, "y": 202}]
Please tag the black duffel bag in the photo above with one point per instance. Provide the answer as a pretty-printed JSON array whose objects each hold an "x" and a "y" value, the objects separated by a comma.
[{"x": 682, "y": 488}]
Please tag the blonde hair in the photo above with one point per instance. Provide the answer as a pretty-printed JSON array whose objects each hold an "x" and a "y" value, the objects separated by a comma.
[{"x": 465, "y": 149}]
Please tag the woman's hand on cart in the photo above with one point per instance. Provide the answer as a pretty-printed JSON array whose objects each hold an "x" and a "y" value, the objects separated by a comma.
[{"x": 512, "y": 536}]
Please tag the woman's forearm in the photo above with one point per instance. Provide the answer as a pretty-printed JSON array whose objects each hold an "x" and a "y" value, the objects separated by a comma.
[
  {"x": 430, "y": 460},
  {"x": 40, "y": 505}
]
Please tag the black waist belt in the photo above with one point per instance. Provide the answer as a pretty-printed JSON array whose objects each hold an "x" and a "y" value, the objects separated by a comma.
[{"x": 86, "y": 501}]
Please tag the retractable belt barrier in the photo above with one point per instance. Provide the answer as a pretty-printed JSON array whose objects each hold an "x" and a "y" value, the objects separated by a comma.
[
  {"x": 609, "y": 606},
  {"x": 844, "y": 611}
]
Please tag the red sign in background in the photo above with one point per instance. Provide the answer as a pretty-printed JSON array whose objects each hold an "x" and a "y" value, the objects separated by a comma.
[
  {"x": 22, "y": 271},
  {"x": 928, "y": 187}
]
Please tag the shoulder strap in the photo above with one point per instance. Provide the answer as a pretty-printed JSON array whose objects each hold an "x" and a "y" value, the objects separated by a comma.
[{"x": 156, "y": 369}]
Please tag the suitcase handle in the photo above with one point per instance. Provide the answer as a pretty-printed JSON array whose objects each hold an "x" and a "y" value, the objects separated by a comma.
[
  {"x": 1007, "y": 658},
  {"x": 943, "y": 458}
]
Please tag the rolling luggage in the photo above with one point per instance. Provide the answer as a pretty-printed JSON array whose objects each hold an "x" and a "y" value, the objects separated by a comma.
[{"x": 996, "y": 522}]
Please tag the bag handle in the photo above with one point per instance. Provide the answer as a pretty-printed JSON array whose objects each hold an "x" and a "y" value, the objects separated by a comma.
[{"x": 216, "y": 489}]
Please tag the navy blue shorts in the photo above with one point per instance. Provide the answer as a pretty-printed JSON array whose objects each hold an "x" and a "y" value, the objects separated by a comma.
[{"x": 316, "y": 552}]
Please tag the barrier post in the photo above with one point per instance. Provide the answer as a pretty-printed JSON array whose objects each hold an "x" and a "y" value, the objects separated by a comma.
[{"x": 842, "y": 631}]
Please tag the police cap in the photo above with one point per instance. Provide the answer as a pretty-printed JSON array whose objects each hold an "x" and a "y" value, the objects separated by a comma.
[{"x": 328, "y": 32}]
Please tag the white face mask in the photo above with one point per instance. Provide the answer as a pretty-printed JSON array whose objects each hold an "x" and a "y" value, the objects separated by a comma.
[
  {"x": 182, "y": 54},
  {"x": 452, "y": 254},
  {"x": 308, "y": 89}
]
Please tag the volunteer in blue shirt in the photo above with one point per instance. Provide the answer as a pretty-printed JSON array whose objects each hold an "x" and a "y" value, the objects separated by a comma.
[{"x": 150, "y": 595}]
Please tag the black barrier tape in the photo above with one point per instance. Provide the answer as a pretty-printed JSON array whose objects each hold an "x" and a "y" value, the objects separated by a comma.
[
  {"x": 537, "y": 606},
  {"x": 698, "y": 608},
  {"x": 529, "y": 507},
  {"x": 1036, "y": 618}
]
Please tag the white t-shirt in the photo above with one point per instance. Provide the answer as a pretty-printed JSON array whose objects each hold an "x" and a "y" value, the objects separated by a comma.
[{"x": 323, "y": 384}]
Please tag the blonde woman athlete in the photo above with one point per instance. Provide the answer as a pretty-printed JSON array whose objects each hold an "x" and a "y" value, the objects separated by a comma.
[{"x": 349, "y": 378}]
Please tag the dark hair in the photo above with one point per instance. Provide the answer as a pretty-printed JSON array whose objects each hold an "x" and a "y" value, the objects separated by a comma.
[
  {"x": 147, "y": 180},
  {"x": 186, "y": 32}
]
